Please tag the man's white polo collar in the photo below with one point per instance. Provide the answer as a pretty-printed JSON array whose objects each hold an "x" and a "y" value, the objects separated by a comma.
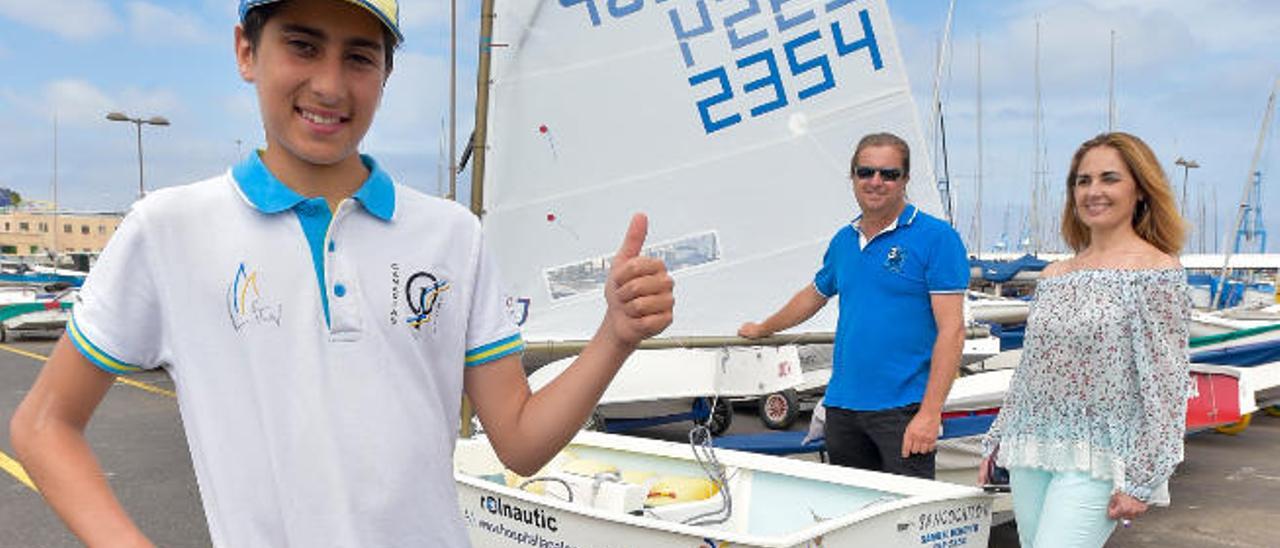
[{"x": 904, "y": 219}]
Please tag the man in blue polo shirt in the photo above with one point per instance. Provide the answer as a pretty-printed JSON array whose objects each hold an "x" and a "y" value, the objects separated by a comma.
[{"x": 901, "y": 275}]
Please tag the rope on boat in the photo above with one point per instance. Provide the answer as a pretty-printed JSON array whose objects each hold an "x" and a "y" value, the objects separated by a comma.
[
  {"x": 567, "y": 489},
  {"x": 705, "y": 453}
]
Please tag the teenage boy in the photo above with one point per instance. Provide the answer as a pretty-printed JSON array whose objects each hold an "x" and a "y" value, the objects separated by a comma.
[{"x": 315, "y": 318}]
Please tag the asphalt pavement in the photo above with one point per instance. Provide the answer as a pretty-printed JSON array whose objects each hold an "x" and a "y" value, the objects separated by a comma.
[{"x": 1224, "y": 495}]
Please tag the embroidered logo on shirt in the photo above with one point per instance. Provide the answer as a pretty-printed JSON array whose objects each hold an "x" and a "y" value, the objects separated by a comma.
[
  {"x": 423, "y": 292},
  {"x": 893, "y": 261},
  {"x": 245, "y": 303},
  {"x": 518, "y": 309}
]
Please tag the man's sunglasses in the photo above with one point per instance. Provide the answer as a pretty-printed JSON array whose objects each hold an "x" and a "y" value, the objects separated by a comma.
[{"x": 890, "y": 174}]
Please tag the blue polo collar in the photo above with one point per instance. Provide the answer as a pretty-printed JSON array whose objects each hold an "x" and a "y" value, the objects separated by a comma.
[
  {"x": 266, "y": 193},
  {"x": 905, "y": 218}
]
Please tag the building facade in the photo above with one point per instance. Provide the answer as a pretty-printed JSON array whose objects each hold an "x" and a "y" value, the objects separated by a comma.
[{"x": 42, "y": 232}]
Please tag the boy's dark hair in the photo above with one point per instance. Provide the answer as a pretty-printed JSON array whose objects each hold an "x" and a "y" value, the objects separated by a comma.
[{"x": 256, "y": 19}]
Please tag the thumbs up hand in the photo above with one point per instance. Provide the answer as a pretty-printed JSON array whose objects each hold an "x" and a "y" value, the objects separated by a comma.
[{"x": 638, "y": 292}]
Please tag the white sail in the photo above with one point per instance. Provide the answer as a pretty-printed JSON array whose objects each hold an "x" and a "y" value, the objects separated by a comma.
[{"x": 730, "y": 123}]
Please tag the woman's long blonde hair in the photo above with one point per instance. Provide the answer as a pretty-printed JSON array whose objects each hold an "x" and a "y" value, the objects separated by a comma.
[{"x": 1155, "y": 218}]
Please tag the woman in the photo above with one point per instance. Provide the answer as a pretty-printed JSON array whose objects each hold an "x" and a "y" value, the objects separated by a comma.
[{"x": 1093, "y": 421}]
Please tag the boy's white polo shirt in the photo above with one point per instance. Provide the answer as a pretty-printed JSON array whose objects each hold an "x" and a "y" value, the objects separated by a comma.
[{"x": 306, "y": 428}]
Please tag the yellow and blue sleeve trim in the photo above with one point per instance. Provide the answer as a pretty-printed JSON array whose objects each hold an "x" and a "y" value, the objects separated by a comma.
[
  {"x": 96, "y": 355},
  {"x": 494, "y": 350}
]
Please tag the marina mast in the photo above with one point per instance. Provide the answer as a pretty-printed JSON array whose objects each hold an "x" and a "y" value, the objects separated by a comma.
[
  {"x": 977, "y": 208},
  {"x": 1252, "y": 179},
  {"x": 1036, "y": 172}
]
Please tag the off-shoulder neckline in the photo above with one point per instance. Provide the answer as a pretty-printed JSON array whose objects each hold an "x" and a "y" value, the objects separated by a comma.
[{"x": 1152, "y": 270}]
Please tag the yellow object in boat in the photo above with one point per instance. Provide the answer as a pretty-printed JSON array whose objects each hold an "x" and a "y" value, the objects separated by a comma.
[
  {"x": 637, "y": 477},
  {"x": 515, "y": 480},
  {"x": 588, "y": 467},
  {"x": 675, "y": 489}
]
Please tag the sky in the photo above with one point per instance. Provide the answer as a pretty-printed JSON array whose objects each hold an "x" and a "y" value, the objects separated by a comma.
[{"x": 1192, "y": 79}]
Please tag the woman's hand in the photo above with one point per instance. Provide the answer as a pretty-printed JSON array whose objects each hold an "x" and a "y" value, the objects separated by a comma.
[{"x": 1124, "y": 508}]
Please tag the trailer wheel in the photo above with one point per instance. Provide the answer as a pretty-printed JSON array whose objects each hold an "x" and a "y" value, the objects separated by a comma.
[
  {"x": 721, "y": 417},
  {"x": 1274, "y": 410},
  {"x": 1236, "y": 427},
  {"x": 778, "y": 410}
]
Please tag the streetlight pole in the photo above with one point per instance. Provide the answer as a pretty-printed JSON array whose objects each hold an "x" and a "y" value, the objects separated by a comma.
[
  {"x": 1187, "y": 166},
  {"x": 138, "y": 122}
]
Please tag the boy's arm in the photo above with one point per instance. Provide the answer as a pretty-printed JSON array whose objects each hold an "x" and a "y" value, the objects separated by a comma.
[
  {"x": 47, "y": 432},
  {"x": 801, "y": 307},
  {"x": 528, "y": 429}
]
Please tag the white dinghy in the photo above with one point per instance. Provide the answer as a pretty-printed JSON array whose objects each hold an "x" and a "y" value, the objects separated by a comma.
[{"x": 609, "y": 490}]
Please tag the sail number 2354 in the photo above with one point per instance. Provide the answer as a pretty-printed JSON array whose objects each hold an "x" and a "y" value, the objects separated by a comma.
[{"x": 764, "y": 76}]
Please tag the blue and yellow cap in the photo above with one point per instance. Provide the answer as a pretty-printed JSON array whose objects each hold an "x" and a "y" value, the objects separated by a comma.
[{"x": 387, "y": 11}]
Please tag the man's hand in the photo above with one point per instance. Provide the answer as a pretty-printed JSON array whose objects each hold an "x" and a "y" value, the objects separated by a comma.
[
  {"x": 922, "y": 434},
  {"x": 1125, "y": 507},
  {"x": 752, "y": 330},
  {"x": 638, "y": 291}
]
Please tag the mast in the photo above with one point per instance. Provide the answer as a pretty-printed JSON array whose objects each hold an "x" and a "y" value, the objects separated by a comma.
[
  {"x": 478, "y": 138},
  {"x": 453, "y": 99},
  {"x": 1248, "y": 188},
  {"x": 944, "y": 184},
  {"x": 477, "y": 147},
  {"x": 1200, "y": 231},
  {"x": 443, "y": 165},
  {"x": 977, "y": 209},
  {"x": 55, "y": 190},
  {"x": 1111, "y": 87},
  {"x": 1035, "y": 169}
]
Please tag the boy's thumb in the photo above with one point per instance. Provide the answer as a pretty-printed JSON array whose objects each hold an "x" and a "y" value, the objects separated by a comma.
[{"x": 634, "y": 240}]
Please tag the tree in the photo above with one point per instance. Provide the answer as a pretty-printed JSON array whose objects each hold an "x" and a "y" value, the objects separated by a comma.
[{"x": 9, "y": 198}]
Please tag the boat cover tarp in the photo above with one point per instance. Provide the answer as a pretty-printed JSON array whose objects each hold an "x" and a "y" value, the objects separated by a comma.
[
  {"x": 792, "y": 442},
  {"x": 15, "y": 310},
  {"x": 1197, "y": 342},
  {"x": 1010, "y": 336},
  {"x": 1245, "y": 355},
  {"x": 41, "y": 279},
  {"x": 771, "y": 443},
  {"x": 1003, "y": 271}
]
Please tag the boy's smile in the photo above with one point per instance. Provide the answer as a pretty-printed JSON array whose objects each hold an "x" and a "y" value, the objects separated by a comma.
[{"x": 319, "y": 73}]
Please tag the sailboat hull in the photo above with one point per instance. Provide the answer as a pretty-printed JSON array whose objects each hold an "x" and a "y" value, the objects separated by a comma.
[{"x": 776, "y": 502}]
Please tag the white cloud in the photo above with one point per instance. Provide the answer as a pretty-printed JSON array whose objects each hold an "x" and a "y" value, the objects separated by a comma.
[
  {"x": 1242, "y": 25},
  {"x": 73, "y": 19},
  {"x": 1075, "y": 41},
  {"x": 78, "y": 103},
  {"x": 151, "y": 23}
]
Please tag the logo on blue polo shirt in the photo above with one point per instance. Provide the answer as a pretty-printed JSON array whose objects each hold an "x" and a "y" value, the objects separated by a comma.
[
  {"x": 423, "y": 293},
  {"x": 893, "y": 261},
  {"x": 245, "y": 303}
]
